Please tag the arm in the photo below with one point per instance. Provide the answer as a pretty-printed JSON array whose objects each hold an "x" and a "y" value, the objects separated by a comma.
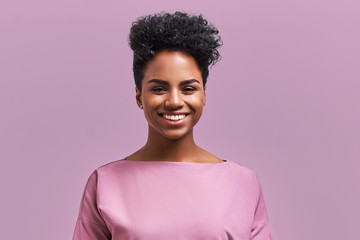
[
  {"x": 90, "y": 225},
  {"x": 261, "y": 229}
]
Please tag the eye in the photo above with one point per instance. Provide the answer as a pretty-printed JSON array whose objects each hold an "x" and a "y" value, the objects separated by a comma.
[
  {"x": 189, "y": 89},
  {"x": 158, "y": 89}
]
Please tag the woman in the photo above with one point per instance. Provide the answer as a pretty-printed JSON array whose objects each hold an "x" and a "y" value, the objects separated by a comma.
[{"x": 171, "y": 188}]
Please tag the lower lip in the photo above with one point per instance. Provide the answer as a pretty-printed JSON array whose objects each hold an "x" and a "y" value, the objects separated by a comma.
[{"x": 173, "y": 123}]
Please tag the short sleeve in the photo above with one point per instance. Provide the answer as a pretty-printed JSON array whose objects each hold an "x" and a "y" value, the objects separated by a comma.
[
  {"x": 261, "y": 228},
  {"x": 90, "y": 225}
]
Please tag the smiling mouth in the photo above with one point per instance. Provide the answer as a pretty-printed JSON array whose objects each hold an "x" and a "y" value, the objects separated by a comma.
[{"x": 173, "y": 117}]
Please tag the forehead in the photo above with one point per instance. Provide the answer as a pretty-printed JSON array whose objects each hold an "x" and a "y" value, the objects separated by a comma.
[{"x": 172, "y": 66}]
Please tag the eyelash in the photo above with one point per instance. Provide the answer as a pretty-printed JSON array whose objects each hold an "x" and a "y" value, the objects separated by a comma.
[
  {"x": 158, "y": 89},
  {"x": 162, "y": 89},
  {"x": 189, "y": 89}
]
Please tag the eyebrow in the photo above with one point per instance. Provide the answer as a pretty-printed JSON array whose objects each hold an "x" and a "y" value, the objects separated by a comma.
[{"x": 167, "y": 83}]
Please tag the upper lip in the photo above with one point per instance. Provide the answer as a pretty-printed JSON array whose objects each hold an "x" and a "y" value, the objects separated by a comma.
[{"x": 175, "y": 113}]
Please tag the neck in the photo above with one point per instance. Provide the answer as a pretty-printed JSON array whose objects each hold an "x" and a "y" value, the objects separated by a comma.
[{"x": 159, "y": 148}]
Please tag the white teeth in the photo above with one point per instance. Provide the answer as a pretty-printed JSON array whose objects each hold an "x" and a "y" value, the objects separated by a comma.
[{"x": 174, "y": 117}]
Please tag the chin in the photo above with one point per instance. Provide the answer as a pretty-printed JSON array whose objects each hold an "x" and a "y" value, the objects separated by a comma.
[{"x": 175, "y": 136}]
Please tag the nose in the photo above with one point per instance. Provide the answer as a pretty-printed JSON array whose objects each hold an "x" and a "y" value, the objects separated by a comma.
[{"x": 174, "y": 100}]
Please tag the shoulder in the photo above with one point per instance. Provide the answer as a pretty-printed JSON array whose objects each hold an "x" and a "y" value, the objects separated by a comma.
[
  {"x": 109, "y": 174},
  {"x": 106, "y": 169},
  {"x": 114, "y": 167},
  {"x": 243, "y": 174},
  {"x": 238, "y": 167},
  {"x": 245, "y": 181}
]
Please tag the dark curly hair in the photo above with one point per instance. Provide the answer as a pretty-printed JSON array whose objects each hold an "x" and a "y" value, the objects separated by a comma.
[{"x": 191, "y": 34}]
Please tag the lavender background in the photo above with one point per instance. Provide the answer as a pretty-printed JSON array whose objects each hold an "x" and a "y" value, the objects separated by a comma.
[{"x": 283, "y": 101}]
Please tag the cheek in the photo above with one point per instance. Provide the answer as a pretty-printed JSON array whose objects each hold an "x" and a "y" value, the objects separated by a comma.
[
  {"x": 200, "y": 99},
  {"x": 151, "y": 100},
  {"x": 197, "y": 103},
  {"x": 151, "y": 104}
]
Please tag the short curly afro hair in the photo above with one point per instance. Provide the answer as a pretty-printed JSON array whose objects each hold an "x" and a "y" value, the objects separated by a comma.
[{"x": 179, "y": 31}]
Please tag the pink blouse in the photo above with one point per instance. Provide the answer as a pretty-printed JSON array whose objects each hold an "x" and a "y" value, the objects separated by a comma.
[{"x": 158, "y": 200}]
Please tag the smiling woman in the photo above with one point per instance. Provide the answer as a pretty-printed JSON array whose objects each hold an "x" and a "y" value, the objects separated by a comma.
[
  {"x": 171, "y": 188},
  {"x": 172, "y": 96}
]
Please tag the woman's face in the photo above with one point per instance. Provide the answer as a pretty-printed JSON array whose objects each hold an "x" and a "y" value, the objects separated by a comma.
[{"x": 172, "y": 94}]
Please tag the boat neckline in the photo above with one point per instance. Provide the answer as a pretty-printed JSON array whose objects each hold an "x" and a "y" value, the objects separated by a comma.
[{"x": 176, "y": 162}]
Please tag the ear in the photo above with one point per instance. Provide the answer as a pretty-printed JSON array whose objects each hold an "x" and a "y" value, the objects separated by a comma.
[
  {"x": 138, "y": 97},
  {"x": 204, "y": 100}
]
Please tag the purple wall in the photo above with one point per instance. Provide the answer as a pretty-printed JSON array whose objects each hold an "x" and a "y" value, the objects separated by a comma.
[{"x": 283, "y": 101}]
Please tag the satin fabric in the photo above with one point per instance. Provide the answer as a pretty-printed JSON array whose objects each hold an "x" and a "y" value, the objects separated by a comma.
[{"x": 155, "y": 200}]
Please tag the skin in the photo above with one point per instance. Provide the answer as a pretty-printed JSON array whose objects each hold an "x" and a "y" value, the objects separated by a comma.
[{"x": 172, "y": 84}]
